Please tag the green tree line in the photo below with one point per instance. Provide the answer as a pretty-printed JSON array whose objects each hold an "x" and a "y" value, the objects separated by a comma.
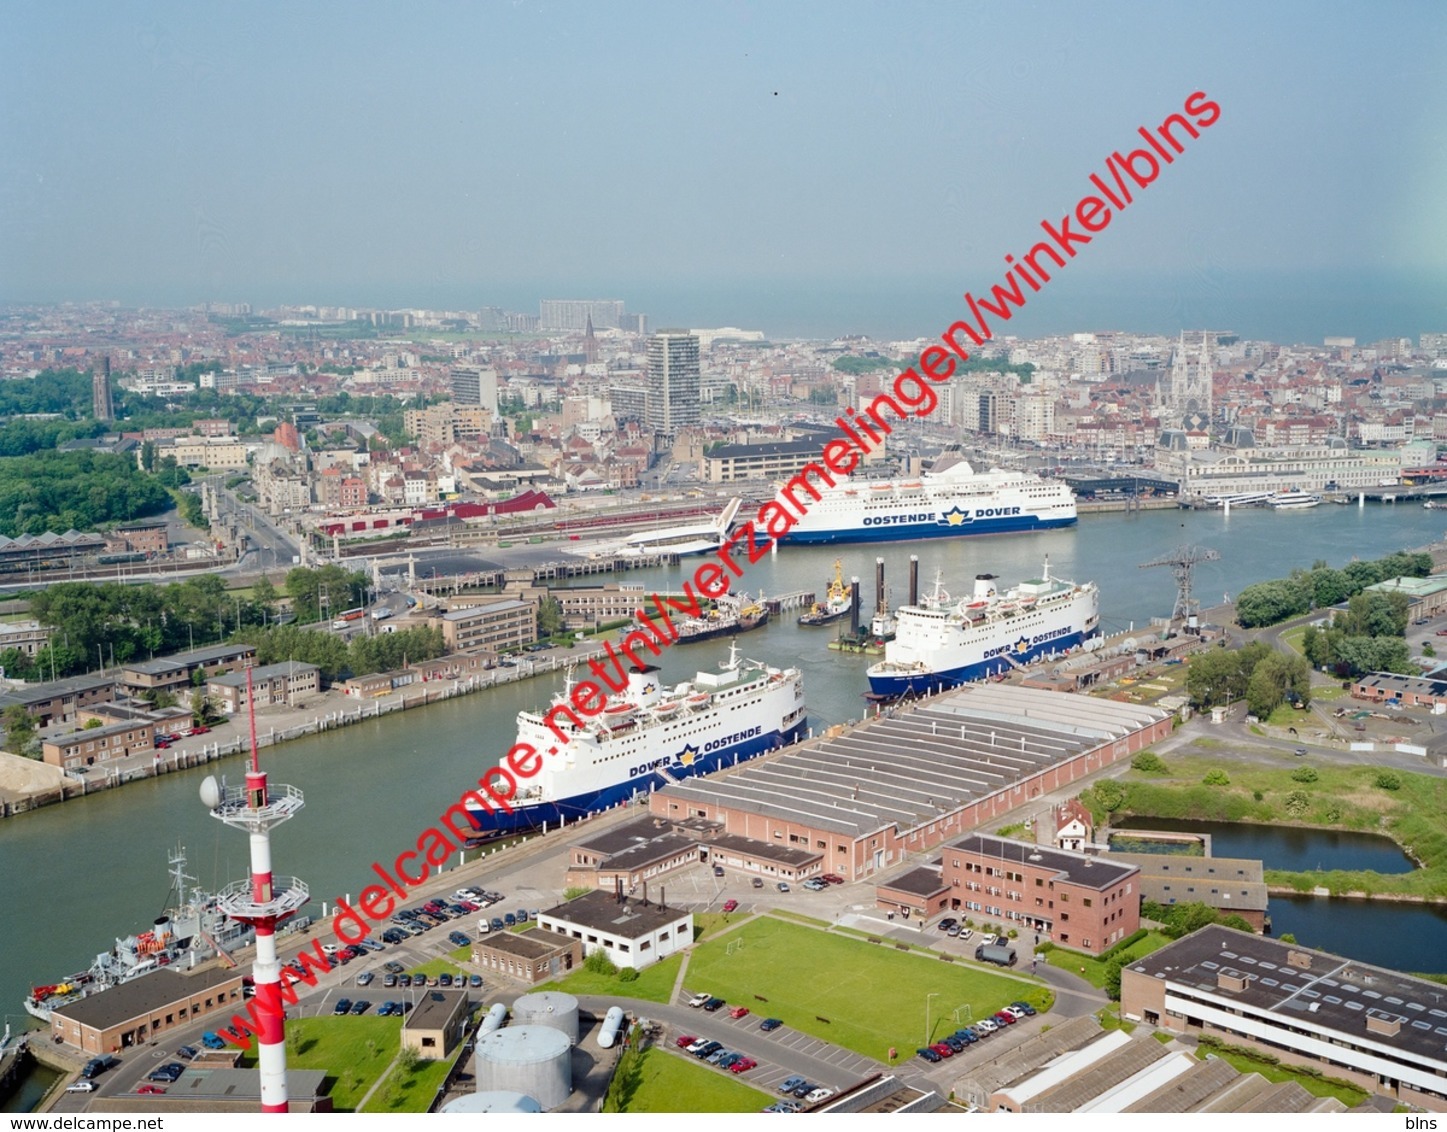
[
  {"x": 55, "y": 491},
  {"x": 1269, "y": 603}
]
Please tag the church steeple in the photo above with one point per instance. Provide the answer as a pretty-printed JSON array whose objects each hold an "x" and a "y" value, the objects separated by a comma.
[{"x": 590, "y": 343}]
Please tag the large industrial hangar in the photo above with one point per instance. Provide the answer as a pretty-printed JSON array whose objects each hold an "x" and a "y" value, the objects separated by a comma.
[{"x": 917, "y": 775}]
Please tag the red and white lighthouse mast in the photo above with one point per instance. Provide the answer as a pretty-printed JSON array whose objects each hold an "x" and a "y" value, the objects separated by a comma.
[{"x": 263, "y": 901}]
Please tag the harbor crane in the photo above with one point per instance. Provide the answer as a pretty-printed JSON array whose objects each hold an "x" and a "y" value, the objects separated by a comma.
[{"x": 1182, "y": 562}]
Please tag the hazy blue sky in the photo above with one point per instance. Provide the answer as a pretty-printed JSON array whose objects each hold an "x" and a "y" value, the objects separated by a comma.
[{"x": 806, "y": 167}]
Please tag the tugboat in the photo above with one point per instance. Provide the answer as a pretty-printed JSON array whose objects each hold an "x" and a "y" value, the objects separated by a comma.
[
  {"x": 836, "y": 603},
  {"x": 730, "y": 616}
]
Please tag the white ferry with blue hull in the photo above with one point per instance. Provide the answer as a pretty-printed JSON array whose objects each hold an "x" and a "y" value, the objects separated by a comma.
[
  {"x": 949, "y": 501},
  {"x": 647, "y": 736},
  {"x": 941, "y": 643}
]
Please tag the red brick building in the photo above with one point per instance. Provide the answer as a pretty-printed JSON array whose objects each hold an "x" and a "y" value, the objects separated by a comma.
[{"x": 1081, "y": 902}]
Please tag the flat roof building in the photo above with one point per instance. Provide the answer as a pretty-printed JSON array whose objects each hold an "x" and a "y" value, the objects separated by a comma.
[
  {"x": 633, "y": 934},
  {"x": 133, "y": 1013},
  {"x": 284, "y": 684},
  {"x": 1380, "y": 1029},
  {"x": 1082, "y": 902},
  {"x": 436, "y": 1024},
  {"x": 175, "y": 673},
  {"x": 531, "y": 956}
]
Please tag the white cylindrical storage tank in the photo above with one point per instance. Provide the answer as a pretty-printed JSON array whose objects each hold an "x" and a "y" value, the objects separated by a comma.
[
  {"x": 612, "y": 1024},
  {"x": 492, "y": 1102},
  {"x": 495, "y": 1018},
  {"x": 536, "y": 1061},
  {"x": 554, "y": 1009}
]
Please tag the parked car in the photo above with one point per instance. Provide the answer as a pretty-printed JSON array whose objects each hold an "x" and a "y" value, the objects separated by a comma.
[
  {"x": 791, "y": 1084},
  {"x": 393, "y": 967},
  {"x": 713, "y": 1004},
  {"x": 942, "y": 1049},
  {"x": 474, "y": 980},
  {"x": 708, "y": 1050},
  {"x": 946, "y": 924},
  {"x": 986, "y": 1025},
  {"x": 699, "y": 999},
  {"x": 743, "y": 1065},
  {"x": 360, "y": 1006},
  {"x": 718, "y": 870},
  {"x": 187, "y": 1052},
  {"x": 98, "y": 1065},
  {"x": 683, "y": 1041},
  {"x": 364, "y": 979},
  {"x": 730, "y": 905},
  {"x": 169, "y": 1073},
  {"x": 832, "y": 878},
  {"x": 782, "y": 886},
  {"x": 389, "y": 980},
  {"x": 697, "y": 1045},
  {"x": 814, "y": 884},
  {"x": 820, "y": 1094},
  {"x": 80, "y": 1087},
  {"x": 1004, "y": 1017},
  {"x": 1024, "y": 1006},
  {"x": 343, "y": 1006},
  {"x": 459, "y": 939},
  {"x": 757, "y": 882},
  {"x": 739, "y": 1012},
  {"x": 929, "y": 1055},
  {"x": 769, "y": 1025},
  {"x": 404, "y": 980},
  {"x": 212, "y": 1040}
]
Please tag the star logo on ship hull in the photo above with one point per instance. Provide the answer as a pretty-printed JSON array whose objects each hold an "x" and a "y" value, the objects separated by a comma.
[
  {"x": 687, "y": 756},
  {"x": 1022, "y": 646},
  {"x": 954, "y": 517}
]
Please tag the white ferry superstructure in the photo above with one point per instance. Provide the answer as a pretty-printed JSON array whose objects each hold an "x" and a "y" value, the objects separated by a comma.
[
  {"x": 950, "y": 500},
  {"x": 647, "y": 736},
  {"x": 941, "y": 643}
]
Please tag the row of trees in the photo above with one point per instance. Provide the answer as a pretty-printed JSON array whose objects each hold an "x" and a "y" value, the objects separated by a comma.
[
  {"x": 1269, "y": 603},
  {"x": 107, "y": 622},
  {"x": 336, "y": 658},
  {"x": 1257, "y": 673}
]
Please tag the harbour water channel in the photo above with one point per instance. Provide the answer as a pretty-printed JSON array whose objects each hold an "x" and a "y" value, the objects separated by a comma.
[
  {"x": 74, "y": 876},
  {"x": 1407, "y": 937}
]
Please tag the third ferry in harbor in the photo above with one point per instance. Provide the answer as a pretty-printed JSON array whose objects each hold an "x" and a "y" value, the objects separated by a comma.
[
  {"x": 649, "y": 736},
  {"x": 942, "y": 642},
  {"x": 949, "y": 500}
]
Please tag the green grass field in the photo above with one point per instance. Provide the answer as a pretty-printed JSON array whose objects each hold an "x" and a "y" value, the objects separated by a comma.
[
  {"x": 355, "y": 1051},
  {"x": 664, "y": 1082},
  {"x": 654, "y": 984},
  {"x": 865, "y": 997},
  {"x": 409, "y": 1090},
  {"x": 1092, "y": 969}
]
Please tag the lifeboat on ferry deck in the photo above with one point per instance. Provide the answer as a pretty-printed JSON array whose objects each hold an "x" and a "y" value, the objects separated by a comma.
[
  {"x": 666, "y": 711},
  {"x": 699, "y": 700},
  {"x": 618, "y": 713}
]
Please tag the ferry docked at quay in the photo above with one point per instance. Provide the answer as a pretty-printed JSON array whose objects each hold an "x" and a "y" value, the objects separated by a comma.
[
  {"x": 195, "y": 929},
  {"x": 941, "y": 642},
  {"x": 951, "y": 499},
  {"x": 648, "y": 736}
]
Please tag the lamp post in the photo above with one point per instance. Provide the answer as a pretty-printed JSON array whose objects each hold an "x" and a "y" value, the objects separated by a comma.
[{"x": 932, "y": 994}]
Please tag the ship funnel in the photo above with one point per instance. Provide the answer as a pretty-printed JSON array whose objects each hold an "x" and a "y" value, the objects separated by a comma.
[
  {"x": 643, "y": 686},
  {"x": 854, "y": 607},
  {"x": 984, "y": 587},
  {"x": 914, "y": 579}
]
